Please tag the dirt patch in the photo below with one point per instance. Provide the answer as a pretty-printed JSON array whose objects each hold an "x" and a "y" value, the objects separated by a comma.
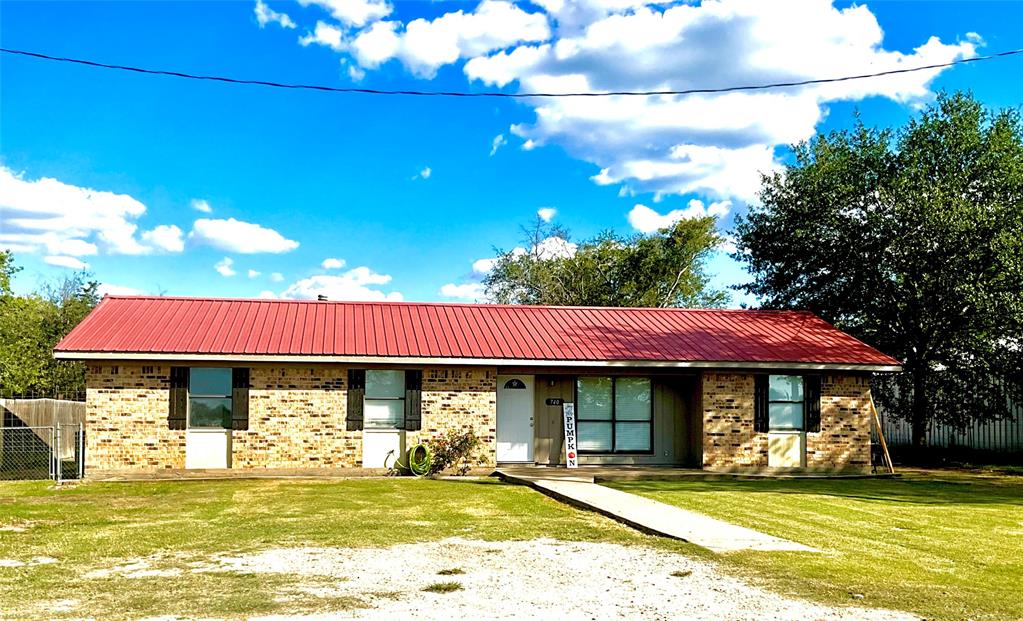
[{"x": 555, "y": 579}]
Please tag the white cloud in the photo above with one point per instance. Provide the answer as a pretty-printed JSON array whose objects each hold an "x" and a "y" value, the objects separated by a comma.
[
  {"x": 472, "y": 291},
  {"x": 555, "y": 248},
  {"x": 498, "y": 142},
  {"x": 48, "y": 215},
  {"x": 199, "y": 204},
  {"x": 64, "y": 261},
  {"x": 254, "y": 273},
  {"x": 546, "y": 213},
  {"x": 424, "y": 46},
  {"x": 355, "y": 73},
  {"x": 325, "y": 34},
  {"x": 332, "y": 264},
  {"x": 359, "y": 283},
  {"x": 713, "y": 145},
  {"x": 166, "y": 237},
  {"x": 237, "y": 236},
  {"x": 224, "y": 268},
  {"x": 277, "y": 277},
  {"x": 265, "y": 15},
  {"x": 353, "y": 12},
  {"x": 423, "y": 174},
  {"x": 267, "y": 295},
  {"x": 109, "y": 289},
  {"x": 646, "y": 220}
]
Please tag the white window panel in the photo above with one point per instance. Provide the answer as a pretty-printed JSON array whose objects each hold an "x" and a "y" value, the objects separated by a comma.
[{"x": 384, "y": 413}]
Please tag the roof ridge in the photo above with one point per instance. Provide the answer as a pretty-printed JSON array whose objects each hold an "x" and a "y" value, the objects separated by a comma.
[{"x": 455, "y": 304}]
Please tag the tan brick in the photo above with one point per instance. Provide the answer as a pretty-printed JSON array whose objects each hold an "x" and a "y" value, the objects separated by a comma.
[
  {"x": 296, "y": 416},
  {"x": 730, "y": 442}
]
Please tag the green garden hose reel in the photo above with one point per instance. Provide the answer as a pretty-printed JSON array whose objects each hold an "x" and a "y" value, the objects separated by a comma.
[{"x": 417, "y": 461}]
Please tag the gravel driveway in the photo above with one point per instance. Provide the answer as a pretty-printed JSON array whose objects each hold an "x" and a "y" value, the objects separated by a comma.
[{"x": 531, "y": 579}]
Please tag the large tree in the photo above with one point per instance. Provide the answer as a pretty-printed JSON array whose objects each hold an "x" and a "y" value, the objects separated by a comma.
[
  {"x": 665, "y": 268},
  {"x": 911, "y": 239},
  {"x": 30, "y": 325}
]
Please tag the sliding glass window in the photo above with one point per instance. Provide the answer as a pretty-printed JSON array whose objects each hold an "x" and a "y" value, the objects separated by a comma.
[{"x": 614, "y": 415}]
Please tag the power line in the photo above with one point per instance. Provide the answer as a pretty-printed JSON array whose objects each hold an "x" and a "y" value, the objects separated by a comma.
[{"x": 374, "y": 91}]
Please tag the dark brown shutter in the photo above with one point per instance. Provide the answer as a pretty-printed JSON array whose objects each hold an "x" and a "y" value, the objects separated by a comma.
[
  {"x": 356, "y": 393},
  {"x": 760, "y": 404},
  {"x": 240, "y": 399},
  {"x": 413, "y": 400},
  {"x": 177, "y": 413},
  {"x": 812, "y": 402}
]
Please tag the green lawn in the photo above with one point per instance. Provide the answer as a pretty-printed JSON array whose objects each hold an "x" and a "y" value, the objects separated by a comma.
[
  {"x": 944, "y": 545},
  {"x": 96, "y": 525}
]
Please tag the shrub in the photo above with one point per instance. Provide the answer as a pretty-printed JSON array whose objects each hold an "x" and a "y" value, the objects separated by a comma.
[{"x": 455, "y": 449}]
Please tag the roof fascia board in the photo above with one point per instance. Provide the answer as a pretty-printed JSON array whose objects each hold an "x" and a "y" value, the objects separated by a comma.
[{"x": 500, "y": 362}]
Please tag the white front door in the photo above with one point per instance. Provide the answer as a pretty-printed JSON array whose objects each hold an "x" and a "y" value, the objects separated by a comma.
[
  {"x": 208, "y": 448},
  {"x": 515, "y": 418}
]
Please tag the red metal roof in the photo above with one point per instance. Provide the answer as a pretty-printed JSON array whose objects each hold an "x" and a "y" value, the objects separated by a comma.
[{"x": 282, "y": 328}]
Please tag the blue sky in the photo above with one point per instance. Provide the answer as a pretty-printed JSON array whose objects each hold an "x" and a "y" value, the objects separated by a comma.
[{"x": 105, "y": 168}]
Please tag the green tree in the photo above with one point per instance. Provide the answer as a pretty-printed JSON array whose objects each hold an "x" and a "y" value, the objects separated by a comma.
[
  {"x": 31, "y": 325},
  {"x": 912, "y": 240},
  {"x": 666, "y": 268}
]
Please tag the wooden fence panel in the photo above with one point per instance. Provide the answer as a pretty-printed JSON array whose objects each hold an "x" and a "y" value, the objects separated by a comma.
[{"x": 42, "y": 413}]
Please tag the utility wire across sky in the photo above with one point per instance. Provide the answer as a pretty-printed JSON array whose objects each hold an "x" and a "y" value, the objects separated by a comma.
[{"x": 521, "y": 95}]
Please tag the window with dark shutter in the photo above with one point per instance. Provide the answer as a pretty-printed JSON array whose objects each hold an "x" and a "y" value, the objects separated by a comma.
[
  {"x": 240, "y": 399},
  {"x": 812, "y": 394},
  {"x": 356, "y": 394},
  {"x": 177, "y": 412},
  {"x": 761, "y": 402},
  {"x": 413, "y": 400}
]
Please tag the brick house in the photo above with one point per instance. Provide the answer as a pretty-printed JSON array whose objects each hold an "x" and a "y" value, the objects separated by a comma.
[{"x": 178, "y": 383}]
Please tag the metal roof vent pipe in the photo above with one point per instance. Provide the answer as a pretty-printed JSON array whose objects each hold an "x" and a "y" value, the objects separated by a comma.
[{"x": 321, "y": 298}]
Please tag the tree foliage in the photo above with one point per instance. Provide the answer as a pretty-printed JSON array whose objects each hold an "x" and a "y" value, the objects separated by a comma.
[
  {"x": 31, "y": 325},
  {"x": 912, "y": 240},
  {"x": 666, "y": 268}
]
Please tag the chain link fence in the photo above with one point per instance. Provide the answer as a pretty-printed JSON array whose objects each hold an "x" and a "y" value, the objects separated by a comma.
[{"x": 42, "y": 439}]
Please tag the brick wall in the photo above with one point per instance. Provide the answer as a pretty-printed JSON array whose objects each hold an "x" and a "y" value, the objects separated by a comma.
[
  {"x": 729, "y": 441},
  {"x": 844, "y": 439},
  {"x": 728, "y": 437},
  {"x": 460, "y": 398},
  {"x": 126, "y": 419},
  {"x": 296, "y": 416}
]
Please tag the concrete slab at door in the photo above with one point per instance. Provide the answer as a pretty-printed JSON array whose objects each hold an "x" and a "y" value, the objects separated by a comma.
[
  {"x": 515, "y": 418},
  {"x": 208, "y": 448}
]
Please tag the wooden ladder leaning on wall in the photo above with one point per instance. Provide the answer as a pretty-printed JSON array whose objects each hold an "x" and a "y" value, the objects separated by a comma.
[{"x": 880, "y": 435}]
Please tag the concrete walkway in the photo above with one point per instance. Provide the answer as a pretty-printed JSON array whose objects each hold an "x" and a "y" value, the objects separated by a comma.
[{"x": 655, "y": 517}]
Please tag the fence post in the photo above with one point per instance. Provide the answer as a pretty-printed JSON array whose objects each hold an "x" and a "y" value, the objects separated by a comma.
[
  {"x": 53, "y": 439},
  {"x": 56, "y": 451},
  {"x": 81, "y": 451}
]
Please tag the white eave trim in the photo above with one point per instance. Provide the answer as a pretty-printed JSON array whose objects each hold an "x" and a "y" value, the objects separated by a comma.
[{"x": 500, "y": 362}]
